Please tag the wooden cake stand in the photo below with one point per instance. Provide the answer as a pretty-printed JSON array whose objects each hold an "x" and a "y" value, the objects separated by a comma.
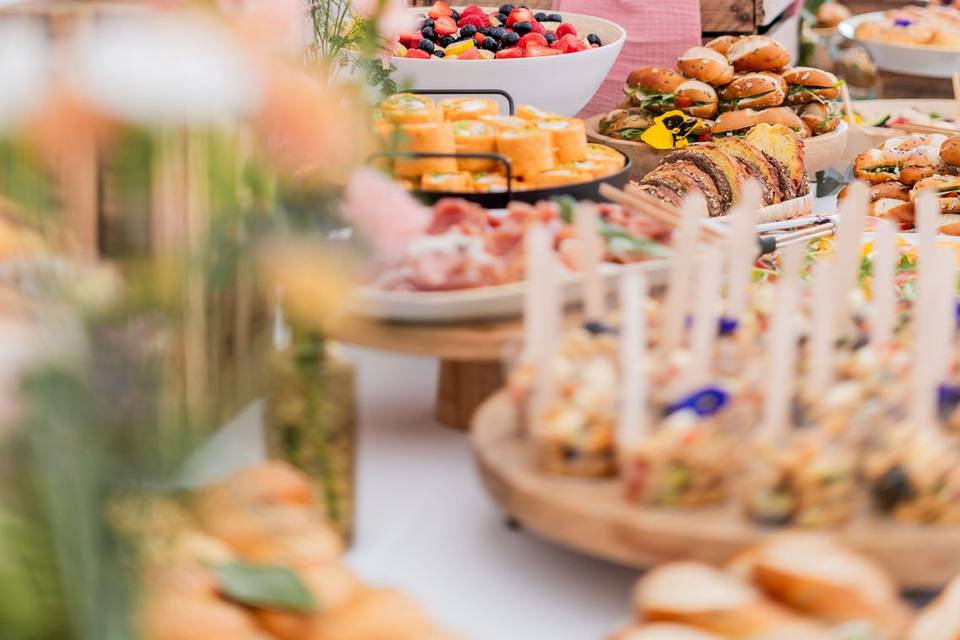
[
  {"x": 471, "y": 356},
  {"x": 591, "y": 516}
]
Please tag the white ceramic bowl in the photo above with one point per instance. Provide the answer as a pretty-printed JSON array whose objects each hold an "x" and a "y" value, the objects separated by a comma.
[
  {"x": 562, "y": 84},
  {"x": 917, "y": 60}
]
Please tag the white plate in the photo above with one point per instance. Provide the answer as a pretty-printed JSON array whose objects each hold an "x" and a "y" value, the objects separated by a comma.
[
  {"x": 504, "y": 300},
  {"x": 481, "y": 303},
  {"x": 561, "y": 84},
  {"x": 912, "y": 60}
]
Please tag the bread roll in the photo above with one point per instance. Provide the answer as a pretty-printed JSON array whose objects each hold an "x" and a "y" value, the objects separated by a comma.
[{"x": 758, "y": 53}]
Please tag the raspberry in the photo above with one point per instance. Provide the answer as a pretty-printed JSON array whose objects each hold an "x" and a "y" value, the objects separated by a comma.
[
  {"x": 530, "y": 39},
  {"x": 445, "y": 26},
  {"x": 510, "y": 52},
  {"x": 418, "y": 53},
  {"x": 471, "y": 9},
  {"x": 470, "y": 54},
  {"x": 519, "y": 15},
  {"x": 564, "y": 29},
  {"x": 536, "y": 51},
  {"x": 479, "y": 20},
  {"x": 536, "y": 27},
  {"x": 440, "y": 9}
]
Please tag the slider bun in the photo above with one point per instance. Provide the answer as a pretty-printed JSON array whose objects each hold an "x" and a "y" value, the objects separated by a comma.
[
  {"x": 818, "y": 83},
  {"x": 664, "y": 631},
  {"x": 655, "y": 79},
  {"x": 693, "y": 91},
  {"x": 951, "y": 228},
  {"x": 722, "y": 44},
  {"x": 896, "y": 211},
  {"x": 745, "y": 118},
  {"x": 950, "y": 151},
  {"x": 758, "y": 53},
  {"x": 706, "y": 65},
  {"x": 821, "y": 118},
  {"x": 937, "y": 183},
  {"x": 753, "y": 90},
  {"x": 873, "y": 158},
  {"x": 917, "y": 167},
  {"x": 830, "y": 14},
  {"x": 894, "y": 190}
]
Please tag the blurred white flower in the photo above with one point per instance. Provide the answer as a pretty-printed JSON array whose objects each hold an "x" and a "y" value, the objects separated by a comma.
[
  {"x": 393, "y": 16},
  {"x": 164, "y": 69},
  {"x": 24, "y": 71}
]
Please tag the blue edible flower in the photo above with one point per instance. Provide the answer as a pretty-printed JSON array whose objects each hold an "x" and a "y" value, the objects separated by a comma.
[
  {"x": 902, "y": 22},
  {"x": 704, "y": 402}
]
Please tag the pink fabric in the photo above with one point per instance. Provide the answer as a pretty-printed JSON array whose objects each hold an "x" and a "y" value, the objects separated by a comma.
[{"x": 658, "y": 31}]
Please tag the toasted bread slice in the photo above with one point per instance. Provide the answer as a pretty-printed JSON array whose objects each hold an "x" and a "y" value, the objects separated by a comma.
[
  {"x": 786, "y": 147},
  {"x": 726, "y": 173},
  {"x": 683, "y": 176},
  {"x": 664, "y": 631},
  {"x": 702, "y": 596},
  {"x": 665, "y": 194},
  {"x": 813, "y": 574},
  {"x": 759, "y": 165},
  {"x": 941, "y": 619}
]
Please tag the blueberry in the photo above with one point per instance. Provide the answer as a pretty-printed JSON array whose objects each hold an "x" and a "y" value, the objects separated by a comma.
[
  {"x": 502, "y": 18},
  {"x": 485, "y": 30},
  {"x": 505, "y": 9},
  {"x": 554, "y": 17},
  {"x": 540, "y": 16},
  {"x": 455, "y": 15},
  {"x": 446, "y": 41},
  {"x": 439, "y": 53},
  {"x": 510, "y": 39},
  {"x": 426, "y": 45},
  {"x": 497, "y": 32},
  {"x": 550, "y": 36},
  {"x": 523, "y": 28},
  {"x": 428, "y": 33},
  {"x": 467, "y": 31},
  {"x": 594, "y": 39},
  {"x": 429, "y": 22},
  {"x": 491, "y": 45},
  {"x": 597, "y": 328}
]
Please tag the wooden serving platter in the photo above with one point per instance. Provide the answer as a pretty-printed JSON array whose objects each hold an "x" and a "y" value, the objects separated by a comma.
[{"x": 592, "y": 517}]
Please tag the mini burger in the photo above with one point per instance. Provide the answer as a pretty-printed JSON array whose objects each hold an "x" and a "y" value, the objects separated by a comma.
[
  {"x": 877, "y": 165},
  {"x": 653, "y": 88},
  {"x": 737, "y": 123},
  {"x": 896, "y": 211},
  {"x": 751, "y": 91},
  {"x": 950, "y": 154},
  {"x": 758, "y": 53},
  {"x": 706, "y": 65},
  {"x": 722, "y": 44},
  {"x": 806, "y": 84},
  {"x": 625, "y": 124},
  {"x": 947, "y": 189},
  {"x": 918, "y": 165},
  {"x": 697, "y": 99},
  {"x": 821, "y": 117}
]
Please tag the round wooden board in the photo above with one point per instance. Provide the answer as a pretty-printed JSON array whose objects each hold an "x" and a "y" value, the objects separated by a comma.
[{"x": 591, "y": 516}]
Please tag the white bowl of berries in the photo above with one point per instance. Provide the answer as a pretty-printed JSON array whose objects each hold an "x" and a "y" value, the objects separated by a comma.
[{"x": 551, "y": 60}]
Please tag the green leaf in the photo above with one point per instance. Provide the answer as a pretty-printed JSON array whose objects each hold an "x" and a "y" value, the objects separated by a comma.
[
  {"x": 264, "y": 587},
  {"x": 567, "y": 205}
]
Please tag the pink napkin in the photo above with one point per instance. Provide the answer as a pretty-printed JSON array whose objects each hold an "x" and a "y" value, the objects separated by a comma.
[{"x": 658, "y": 31}]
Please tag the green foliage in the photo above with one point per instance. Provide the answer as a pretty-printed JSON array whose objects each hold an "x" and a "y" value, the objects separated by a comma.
[{"x": 264, "y": 587}]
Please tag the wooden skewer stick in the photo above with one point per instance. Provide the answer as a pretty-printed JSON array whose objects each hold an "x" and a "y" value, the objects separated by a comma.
[
  {"x": 851, "y": 115},
  {"x": 924, "y": 128}
]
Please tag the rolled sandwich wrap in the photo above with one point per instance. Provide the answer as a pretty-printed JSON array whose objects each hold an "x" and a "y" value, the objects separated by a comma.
[
  {"x": 468, "y": 108},
  {"x": 409, "y": 108},
  {"x": 601, "y": 153},
  {"x": 475, "y": 136},
  {"x": 435, "y": 137},
  {"x": 568, "y": 137},
  {"x": 460, "y": 182},
  {"x": 529, "y": 151},
  {"x": 558, "y": 177},
  {"x": 505, "y": 123},
  {"x": 529, "y": 112}
]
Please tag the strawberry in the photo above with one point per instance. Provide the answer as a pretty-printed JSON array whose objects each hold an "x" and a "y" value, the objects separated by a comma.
[
  {"x": 471, "y": 9},
  {"x": 510, "y": 52},
  {"x": 536, "y": 27},
  {"x": 409, "y": 40},
  {"x": 440, "y": 9},
  {"x": 564, "y": 29},
  {"x": 536, "y": 51},
  {"x": 470, "y": 54},
  {"x": 532, "y": 38},
  {"x": 418, "y": 53},
  {"x": 445, "y": 26},
  {"x": 479, "y": 20},
  {"x": 568, "y": 44},
  {"x": 520, "y": 15}
]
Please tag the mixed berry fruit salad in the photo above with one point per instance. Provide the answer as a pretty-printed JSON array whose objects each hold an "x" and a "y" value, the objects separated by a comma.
[{"x": 510, "y": 32}]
